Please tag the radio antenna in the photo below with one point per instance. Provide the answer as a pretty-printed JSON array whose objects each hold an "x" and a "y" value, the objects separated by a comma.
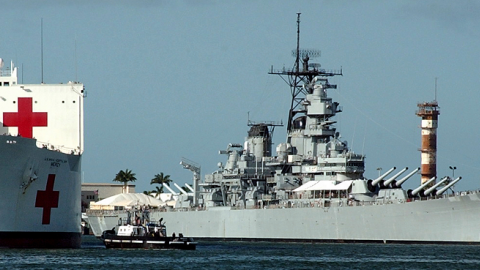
[
  {"x": 41, "y": 41},
  {"x": 75, "y": 59},
  {"x": 297, "y": 60}
]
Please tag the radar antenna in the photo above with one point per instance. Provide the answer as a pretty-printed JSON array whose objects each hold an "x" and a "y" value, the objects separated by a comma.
[{"x": 297, "y": 78}]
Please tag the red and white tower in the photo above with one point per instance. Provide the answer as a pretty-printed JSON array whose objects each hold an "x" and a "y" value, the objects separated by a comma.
[{"x": 429, "y": 112}]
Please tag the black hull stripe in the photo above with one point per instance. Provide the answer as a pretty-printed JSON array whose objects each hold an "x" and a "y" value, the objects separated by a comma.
[
  {"x": 151, "y": 246},
  {"x": 337, "y": 241},
  {"x": 40, "y": 240}
]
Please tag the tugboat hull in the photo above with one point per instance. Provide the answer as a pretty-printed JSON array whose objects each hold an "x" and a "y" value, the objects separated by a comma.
[{"x": 126, "y": 242}]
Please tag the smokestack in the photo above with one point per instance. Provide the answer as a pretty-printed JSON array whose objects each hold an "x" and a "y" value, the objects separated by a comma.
[{"x": 429, "y": 112}]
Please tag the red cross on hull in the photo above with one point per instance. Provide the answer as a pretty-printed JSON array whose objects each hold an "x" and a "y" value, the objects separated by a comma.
[
  {"x": 47, "y": 199},
  {"x": 25, "y": 119}
]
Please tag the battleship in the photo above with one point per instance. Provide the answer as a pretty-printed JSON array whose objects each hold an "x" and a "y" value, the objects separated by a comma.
[
  {"x": 314, "y": 189},
  {"x": 40, "y": 162}
]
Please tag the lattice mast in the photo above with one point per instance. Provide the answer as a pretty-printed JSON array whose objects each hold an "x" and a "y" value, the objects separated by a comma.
[{"x": 297, "y": 77}]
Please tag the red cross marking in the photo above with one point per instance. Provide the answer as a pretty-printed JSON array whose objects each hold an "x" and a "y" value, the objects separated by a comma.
[
  {"x": 25, "y": 119},
  {"x": 47, "y": 199}
]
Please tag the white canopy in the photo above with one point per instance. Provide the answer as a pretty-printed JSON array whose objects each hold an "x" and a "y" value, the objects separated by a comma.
[
  {"x": 130, "y": 199},
  {"x": 324, "y": 185}
]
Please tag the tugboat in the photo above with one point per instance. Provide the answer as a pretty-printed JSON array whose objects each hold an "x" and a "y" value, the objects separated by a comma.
[{"x": 152, "y": 235}]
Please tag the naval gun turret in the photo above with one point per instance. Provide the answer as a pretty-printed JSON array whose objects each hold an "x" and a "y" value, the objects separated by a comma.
[
  {"x": 433, "y": 188},
  {"x": 170, "y": 189},
  {"x": 372, "y": 184},
  {"x": 398, "y": 184},
  {"x": 442, "y": 190},
  {"x": 413, "y": 193},
  {"x": 391, "y": 179}
]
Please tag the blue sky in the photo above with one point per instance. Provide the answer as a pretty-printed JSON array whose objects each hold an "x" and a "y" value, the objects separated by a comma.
[{"x": 173, "y": 79}]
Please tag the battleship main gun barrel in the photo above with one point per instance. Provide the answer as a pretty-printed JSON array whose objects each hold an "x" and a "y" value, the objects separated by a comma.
[
  {"x": 181, "y": 189},
  {"x": 390, "y": 180},
  {"x": 189, "y": 187},
  {"x": 421, "y": 187},
  {"x": 432, "y": 189},
  {"x": 373, "y": 183},
  {"x": 442, "y": 190},
  {"x": 380, "y": 178},
  {"x": 398, "y": 183},
  {"x": 170, "y": 189}
]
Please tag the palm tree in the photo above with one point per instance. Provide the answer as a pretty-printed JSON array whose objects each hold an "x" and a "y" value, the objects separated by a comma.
[
  {"x": 161, "y": 179},
  {"x": 157, "y": 191},
  {"x": 186, "y": 189},
  {"x": 125, "y": 177}
]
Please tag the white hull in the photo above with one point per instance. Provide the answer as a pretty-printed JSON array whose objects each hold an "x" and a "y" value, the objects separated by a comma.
[
  {"x": 40, "y": 163},
  {"x": 446, "y": 220},
  {"x": 32, "y": 213}
]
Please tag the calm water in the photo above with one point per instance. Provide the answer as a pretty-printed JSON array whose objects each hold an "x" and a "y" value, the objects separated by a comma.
[{"x": 240, "y": 255}]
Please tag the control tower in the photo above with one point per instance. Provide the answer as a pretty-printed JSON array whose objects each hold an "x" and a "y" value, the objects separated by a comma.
[{"x": 429, "y": 112}]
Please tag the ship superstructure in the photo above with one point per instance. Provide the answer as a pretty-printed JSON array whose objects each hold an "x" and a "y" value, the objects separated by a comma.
[
  {"x": 313, "y": 150},
  {"x": 40, "y": 162},
  {"x": 314, "y": 188}
]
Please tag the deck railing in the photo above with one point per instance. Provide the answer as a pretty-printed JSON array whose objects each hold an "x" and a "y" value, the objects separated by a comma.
[{"x": 294, "y": 203}]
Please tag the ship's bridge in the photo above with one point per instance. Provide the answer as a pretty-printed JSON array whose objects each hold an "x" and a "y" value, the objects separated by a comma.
[{"x": 8, "y": 76}]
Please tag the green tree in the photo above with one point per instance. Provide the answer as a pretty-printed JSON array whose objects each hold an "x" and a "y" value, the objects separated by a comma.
[
  {"x": 186, "y": 189},
  {"x": 125, "y": 177},
  {"x": 161, "y": 179},
  {"x": 157, "y": 190}
]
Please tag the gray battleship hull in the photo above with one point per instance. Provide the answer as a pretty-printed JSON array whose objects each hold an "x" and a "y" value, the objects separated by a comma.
[
  {"x": 314, "y": 188},
  {"x": 452, "y": 219}
]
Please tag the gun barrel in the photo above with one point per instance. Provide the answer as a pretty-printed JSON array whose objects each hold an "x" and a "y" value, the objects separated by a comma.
[
  {"x": 189, "y": 187},
  {"x": 380, "y": 178},
  {"x": 390, "y": 180},
  {"x": 181, "y": 189},
  {"x": 442, "y": 190},
  {"x": 428, "y": 191},
  {"x": 170, "y": 189},
  {"x": 417, "y": 190},
  {"x": 401, "y": 181}
]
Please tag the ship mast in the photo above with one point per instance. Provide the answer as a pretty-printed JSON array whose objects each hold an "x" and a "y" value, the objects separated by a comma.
[{"x": 296, "y": 78}]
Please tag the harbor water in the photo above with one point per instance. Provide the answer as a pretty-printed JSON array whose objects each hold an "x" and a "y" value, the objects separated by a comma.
[{"x": 248, "y": 255}]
